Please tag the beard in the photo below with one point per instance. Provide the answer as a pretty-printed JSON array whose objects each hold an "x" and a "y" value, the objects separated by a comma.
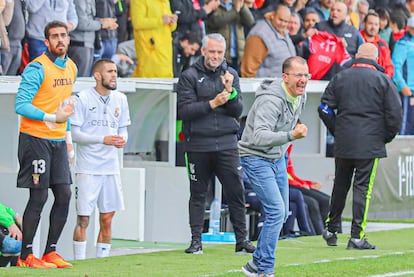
[
  {"x": 59, "y": 51},
  {"x": 108, "y": 86}
]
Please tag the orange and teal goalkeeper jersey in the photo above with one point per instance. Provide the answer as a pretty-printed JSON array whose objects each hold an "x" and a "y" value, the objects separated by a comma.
[{"x": 46, "y": 82}]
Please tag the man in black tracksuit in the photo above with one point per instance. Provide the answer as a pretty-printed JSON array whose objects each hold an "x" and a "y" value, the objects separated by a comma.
[
  {"x": 368, "y": 115},
  {"x": 209, "y": 104}
]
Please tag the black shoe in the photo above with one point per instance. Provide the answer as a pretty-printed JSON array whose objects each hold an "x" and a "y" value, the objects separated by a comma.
[
  {"x": 330, "y": 238},
  {"x": 245, "y": 247},
  {"x": 360, "y": 244},
  {"x": 195, "y": 247},
  {"x": 250, "y": 269}
]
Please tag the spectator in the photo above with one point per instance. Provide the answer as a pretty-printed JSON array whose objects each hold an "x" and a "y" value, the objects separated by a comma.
[
  {"x": 405, "y": 10},
  {"x": 363, "y": 8},
  {"x": 209, "y": 104},
  {"x": 230, "y": 19},
  {"x": 352, "y": 17},
  {"x": 272, "y": 123},
  {"x": 398, "y": 25},
  {"x": 10, "y": 235},
  {"x": 192, "y": 15},
  {"x": 44, "y": 142},
  {"x": 153, "y": 25},
  {"x": 125, "y": 58},
  {"x": 298, "y": 36},
  {"x": 294, "y": 26},
  {"x": 403, "y": 58},
  {"x": 310, "y": 19},
  {"x": 296, "y": 32},
  {"x": 105, "y": 9},
  {"x": 299, "y": 6},
  {"x": 98, "y": 180},
  {"x": 6, "y": 16},
  {"x": 385, "y": 31},
  {"x": 122, "y": 18},
  {"x": 264, "y": 54},
  {"x": 370, "y": 34},
  {"x": 184, "y": 48},
  {"x": 336, "y": 25},
  {"x": 81, "y": 48},
  {"x": 369, "y": 116},
  {"x": 323, "y": 8},
  {"x": 40, "y": 12}
]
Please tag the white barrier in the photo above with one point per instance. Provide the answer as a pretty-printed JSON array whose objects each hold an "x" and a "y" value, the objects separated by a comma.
[{"x": 156, "y": 193}]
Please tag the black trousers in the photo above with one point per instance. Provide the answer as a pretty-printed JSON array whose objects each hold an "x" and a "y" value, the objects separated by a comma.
[
  {"x": 202, "y": 166},
  {"x": 362, "y": 173}
]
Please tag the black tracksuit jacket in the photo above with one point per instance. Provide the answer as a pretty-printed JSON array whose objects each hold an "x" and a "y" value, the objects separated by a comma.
[{"x": 205, "y": 129}]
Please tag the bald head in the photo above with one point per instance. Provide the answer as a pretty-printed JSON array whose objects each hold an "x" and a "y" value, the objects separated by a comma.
[
  {"x": 280, "y": 19},
  {"x": 367, "y": 51},
  {"x": 338, "y": 14}
]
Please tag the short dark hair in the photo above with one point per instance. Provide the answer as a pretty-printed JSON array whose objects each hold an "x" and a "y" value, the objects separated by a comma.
[
  {"x": 54, "y": 24},
  {"x": 97, "y": 65},
  {"x": 287, "y": 64},
  {"x": 371, "y": 13},
  {"x": 399, "y": 19},
  {"x": 383, "y": 13},
  {"x": 192, "y": 38},
  {"x": 309, "y": 10}
]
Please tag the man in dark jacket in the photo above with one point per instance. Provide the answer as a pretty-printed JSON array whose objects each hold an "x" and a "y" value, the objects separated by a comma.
[
  {"x": 209, "y": 104},
  {"x": 184, "y": 48},
  {"x": 368, "y": 115}
]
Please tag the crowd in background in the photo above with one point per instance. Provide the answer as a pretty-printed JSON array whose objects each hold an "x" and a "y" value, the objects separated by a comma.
[{"x": 163, "y": 38}]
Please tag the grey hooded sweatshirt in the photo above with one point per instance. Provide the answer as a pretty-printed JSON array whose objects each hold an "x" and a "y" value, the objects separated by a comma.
[{"x": 270, "y": 122}]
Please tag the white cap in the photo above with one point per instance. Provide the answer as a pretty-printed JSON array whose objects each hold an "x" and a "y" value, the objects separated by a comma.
[{"x": 410, "y": 22}]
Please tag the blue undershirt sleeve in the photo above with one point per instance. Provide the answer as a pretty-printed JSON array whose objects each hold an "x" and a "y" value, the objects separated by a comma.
[{"x": 32, "y": 77}]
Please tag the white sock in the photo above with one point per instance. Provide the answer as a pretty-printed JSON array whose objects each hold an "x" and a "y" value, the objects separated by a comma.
[
  {"x": 102, "y": 249},
  {"x": 79, "y": 250}
]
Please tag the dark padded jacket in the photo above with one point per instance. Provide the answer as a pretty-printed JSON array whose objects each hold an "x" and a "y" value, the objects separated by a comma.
[
  {"x": 367, "y": 109},
  {"x": 207, "y": 129}
]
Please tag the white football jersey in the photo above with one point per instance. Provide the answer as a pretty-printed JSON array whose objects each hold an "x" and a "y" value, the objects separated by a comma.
[{"x": 99, "y": 116}]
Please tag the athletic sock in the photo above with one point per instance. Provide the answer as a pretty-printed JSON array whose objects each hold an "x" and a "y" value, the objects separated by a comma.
[
  {"x": 102, "y": 249},
  {"x": 79, "y": 250}
]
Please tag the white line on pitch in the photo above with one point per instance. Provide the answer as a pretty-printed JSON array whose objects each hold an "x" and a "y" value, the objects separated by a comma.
[{"x": 391, "y": 274}]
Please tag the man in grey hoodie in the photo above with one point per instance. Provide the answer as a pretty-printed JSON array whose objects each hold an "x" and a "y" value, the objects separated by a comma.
[{"x": 272, "y": 123}]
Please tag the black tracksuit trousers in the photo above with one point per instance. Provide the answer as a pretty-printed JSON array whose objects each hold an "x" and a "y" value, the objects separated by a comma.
[
  {"x": 225, "y": 164},
  {"x": 362, "y": 173}
]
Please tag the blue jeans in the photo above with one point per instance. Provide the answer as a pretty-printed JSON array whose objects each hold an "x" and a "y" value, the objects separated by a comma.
[{"x": 270, "y": 182}]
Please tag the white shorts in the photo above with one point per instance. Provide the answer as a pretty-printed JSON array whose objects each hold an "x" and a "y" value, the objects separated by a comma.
[{"x": 102, "y": 190}]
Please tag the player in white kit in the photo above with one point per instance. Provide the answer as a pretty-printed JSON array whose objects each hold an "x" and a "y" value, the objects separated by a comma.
[{"x": 99, "y": 128}]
